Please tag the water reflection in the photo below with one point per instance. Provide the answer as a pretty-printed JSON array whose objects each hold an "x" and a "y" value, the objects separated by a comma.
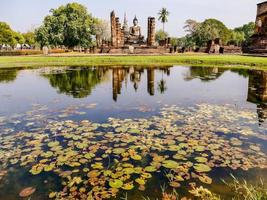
[
  {"x": 257, "y": 92},
  {"x": 205, "y": 74},
  {"x": 77, "y": 82},
  {"x": 80, "y": 82},
  {"x": 8, "y": 75}
]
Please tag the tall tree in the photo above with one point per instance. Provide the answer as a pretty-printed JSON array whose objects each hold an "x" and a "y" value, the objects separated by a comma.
[
  {"x": 248, "y": 29},
  {"x": 163, "y": 17},
  {"x": 161, "y": 35},
  {"x": 70, "y": 25},
  {"x": 210, "y": 29},
  {"x": 29, "y": 38},
  {"x": 102, "y": 30},
  {"x": 7, "y": 35}
]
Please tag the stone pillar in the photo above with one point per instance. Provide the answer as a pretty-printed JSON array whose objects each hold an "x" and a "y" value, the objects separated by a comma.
[
  {"x": 150, "y": 81},
  {"x": 151, "y": 31},
  {"x": 118, "y": 32},
  {"x": 113, "y": 29}
]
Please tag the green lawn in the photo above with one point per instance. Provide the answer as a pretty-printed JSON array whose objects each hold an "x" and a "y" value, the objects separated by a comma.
[{"x": 235, "y": 61}]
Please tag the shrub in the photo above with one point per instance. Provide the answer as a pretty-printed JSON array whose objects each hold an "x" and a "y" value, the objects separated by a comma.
[{"x": 20, "y": 52}]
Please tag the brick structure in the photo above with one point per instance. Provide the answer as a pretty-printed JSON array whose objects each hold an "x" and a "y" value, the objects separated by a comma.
[
  {"x": 125, "y": 40},
  {"x": 151, "y": 31},
  {"x": 259, "y": 39},
  {"x": 113, "y": 29}
]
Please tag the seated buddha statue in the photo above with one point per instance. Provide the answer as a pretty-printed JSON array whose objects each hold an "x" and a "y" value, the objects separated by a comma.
[{"x": 135, "y": 35}]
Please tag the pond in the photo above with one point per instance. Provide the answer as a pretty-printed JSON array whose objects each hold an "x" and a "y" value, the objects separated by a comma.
[{"x": 127, "y": 132}]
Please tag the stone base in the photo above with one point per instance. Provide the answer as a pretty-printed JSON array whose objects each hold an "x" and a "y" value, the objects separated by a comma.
[
  {"x": 135, "y": 50},
  {"x": 258, "y": 44}
]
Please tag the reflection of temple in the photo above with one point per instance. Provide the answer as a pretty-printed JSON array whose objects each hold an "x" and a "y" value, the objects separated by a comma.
[
  {"x": 150, "y": 81},
  {"x": 259, "y": 39},
  {"x": 119, "y": 75},
  {"x": 135, "y": 77},
  {"x": 257, "y": 92}
]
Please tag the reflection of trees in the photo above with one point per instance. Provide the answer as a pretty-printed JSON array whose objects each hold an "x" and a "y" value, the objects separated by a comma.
[
  {"x": 204, "y": 73},
  {"x": 162, "y": 85},
  {"x": 77, "y": 83},
  {"x": 8, "y": 75},
  {"x": 241, "y": 72},
  {"x": 257, "y": 92}
]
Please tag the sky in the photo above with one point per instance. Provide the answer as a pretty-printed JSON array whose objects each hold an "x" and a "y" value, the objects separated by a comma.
[{"x": 24, "y": 15}]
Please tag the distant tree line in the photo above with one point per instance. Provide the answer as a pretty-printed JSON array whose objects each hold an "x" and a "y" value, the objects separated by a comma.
[
  {"x": 199, "y": 33},
  {"x": 11, "y": 38}
]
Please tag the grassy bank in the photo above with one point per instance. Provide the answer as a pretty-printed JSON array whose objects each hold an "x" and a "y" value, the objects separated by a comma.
[{"x": 235, "y": 61}]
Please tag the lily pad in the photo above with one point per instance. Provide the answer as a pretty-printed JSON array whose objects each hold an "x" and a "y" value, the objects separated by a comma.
[
  {"x": 116, "y": 183},
  {"x": 202, "y": 168},
  {"x": 170, "y": 164}
]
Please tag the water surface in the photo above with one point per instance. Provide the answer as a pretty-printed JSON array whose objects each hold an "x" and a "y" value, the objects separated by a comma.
[{"x": 107, "y": 132}]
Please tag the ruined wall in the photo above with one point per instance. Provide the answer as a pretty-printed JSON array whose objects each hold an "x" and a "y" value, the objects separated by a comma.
[{"x": 261, "y": 19}]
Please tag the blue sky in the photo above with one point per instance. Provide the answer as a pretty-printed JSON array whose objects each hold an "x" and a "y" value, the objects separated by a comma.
[{"x": 23, "y": 15}]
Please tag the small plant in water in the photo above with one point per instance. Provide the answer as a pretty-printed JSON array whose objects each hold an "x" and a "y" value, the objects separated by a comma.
[{"x": 245, "y": 191}]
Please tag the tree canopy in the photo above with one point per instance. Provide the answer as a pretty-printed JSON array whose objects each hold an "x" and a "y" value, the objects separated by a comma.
[
  {"x": 161, "y": 35},
  {"x": 248, "y": 30},
  {"x": 163, "y": 16},
  {"x": 70, "y": 25},
  {"x": 29, "y": 38},
  {"x": 8, "y": 36},
  {"x": 199, "y": 33}
]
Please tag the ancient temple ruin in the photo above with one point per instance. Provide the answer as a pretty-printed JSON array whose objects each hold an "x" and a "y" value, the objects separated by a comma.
[
  {"x": 259, "y": 39},
  {"x": 125, "y": 39}
]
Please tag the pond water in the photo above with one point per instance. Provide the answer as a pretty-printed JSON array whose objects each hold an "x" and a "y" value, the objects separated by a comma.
[{"x": 128, "y": 132}]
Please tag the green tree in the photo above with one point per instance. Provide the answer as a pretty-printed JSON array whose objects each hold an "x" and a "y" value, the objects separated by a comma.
[
  {"x": 68, "y": 25},
  {"x": 102, "y": 30},
  {"x": 29, "y": 38},
  {"x": 161, "y": 35},
  {"x": 163, "y": 17},
  {"x": 7, "y": 35},
  {"x": 210, "y": 29},
  {"x": 18, "y": 37},
  {"x": 248, "y": 30},
  {"x": 236, "y": 38}
]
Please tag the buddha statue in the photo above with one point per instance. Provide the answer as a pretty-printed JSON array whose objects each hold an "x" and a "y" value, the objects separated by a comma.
[{"x": 135, "y": 36}]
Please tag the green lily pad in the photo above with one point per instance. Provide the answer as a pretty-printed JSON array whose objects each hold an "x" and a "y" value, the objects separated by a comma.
[
  {"x": 170, "y": 164},
  {"x": 201, "y": 159},
  {"x": 116, "y": 183},
  {"x": 53, "y": 144},
  {"x": 202, "y": 168},
  {"x": 150, "y": 169}
]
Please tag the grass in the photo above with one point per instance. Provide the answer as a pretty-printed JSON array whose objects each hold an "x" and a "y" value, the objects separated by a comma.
[{"x": 235, "y": 61}]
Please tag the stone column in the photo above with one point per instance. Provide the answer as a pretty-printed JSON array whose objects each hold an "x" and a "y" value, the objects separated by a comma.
[
  {"x": 113, "y": 29},
  {"x": 118, "y": 32},
  {"x": 151, "y": 31},
  {"x": 150, "y": 81}
]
